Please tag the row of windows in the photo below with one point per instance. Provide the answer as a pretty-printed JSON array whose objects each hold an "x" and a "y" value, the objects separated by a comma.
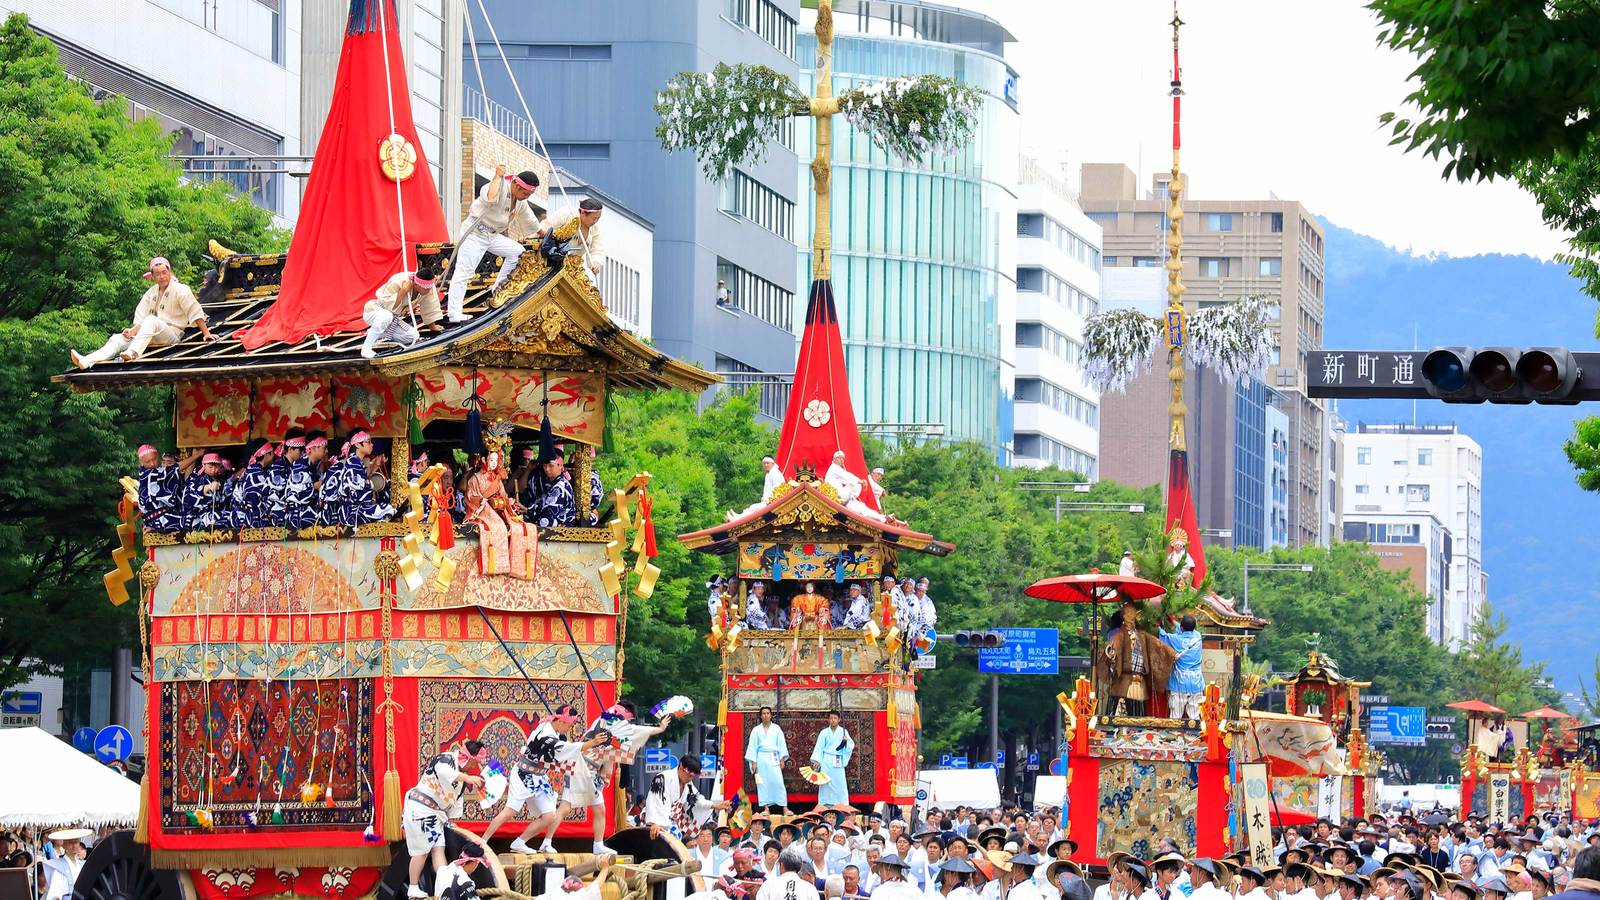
[
  {"x": 1034, "y": 390},
  {"x": 1042, "y": 226},
  {"x": 902, "y": 384},
  {"x": 1383, "y": 532},
  {"x": 746, "y": 197},
  {"x": 1234, "y": 267},
  {"x": 756, "y": 295},
  {"x": 947, "y": 218},
  {"x": 578, "y": 150},
  {"x": 1053, "y": 452},
  {"x": 1043, "y": 281},
  {"x": 767, "y": 20},
  {"x": 546, "y": 51},
  {"x": 619, "y": 286},
  {"x": 1424, "y": 457},
  {"x": 1228, "y": 221},
  {"x": 1032, "y": 334},
  {"x": 914, "y": 303},
  {"x": 1416, "y": 493}
]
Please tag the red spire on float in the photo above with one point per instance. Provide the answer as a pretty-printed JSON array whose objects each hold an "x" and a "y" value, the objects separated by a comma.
[
  {"x": 348, "y": 240},
  {"x": 820, "y": 419}
]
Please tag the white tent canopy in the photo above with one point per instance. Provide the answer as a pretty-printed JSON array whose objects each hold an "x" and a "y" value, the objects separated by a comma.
[{"x": 45, "y": 783}]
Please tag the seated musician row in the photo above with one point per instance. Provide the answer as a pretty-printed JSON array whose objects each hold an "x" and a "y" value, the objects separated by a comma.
[
  {"x": 826, "y": 605},
  {"x": 298, "y": 484}
]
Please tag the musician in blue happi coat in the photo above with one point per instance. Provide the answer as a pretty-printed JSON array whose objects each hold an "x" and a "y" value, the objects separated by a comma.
[
  {"x": 357, "y": 504},
  {"x": 205, "y": 496},
  {"x": 326, "y": 480},
  {"x": 161, "y": 490},
  {"x": 294, "y": 494},
  {"x": 549, "y": 500},
  {"x": 252, "y": 491}
]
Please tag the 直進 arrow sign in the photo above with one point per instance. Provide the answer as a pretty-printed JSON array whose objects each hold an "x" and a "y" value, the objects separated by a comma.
[{"x": 113, "y": 742}]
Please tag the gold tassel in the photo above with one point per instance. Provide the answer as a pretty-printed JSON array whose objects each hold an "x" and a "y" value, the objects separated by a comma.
[
  {"x": 391, "y": 806},
  {"x": 141, "y": 827},
  {"x": 894, "y": 711},
  {"x": 647, "y": 581},
  {"x": 916, "y": 716},
  {"x": 722, "y": 713}
]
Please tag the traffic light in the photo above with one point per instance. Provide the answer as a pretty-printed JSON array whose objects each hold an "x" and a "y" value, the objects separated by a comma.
[
  {"x": 980, "y": 639},
  {"x": 1502, "y": 375},
  {"x": 1440, "y": 728}
]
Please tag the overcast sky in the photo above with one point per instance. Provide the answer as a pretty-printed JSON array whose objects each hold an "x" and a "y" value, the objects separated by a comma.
[{"x": 1280, "y": 96}]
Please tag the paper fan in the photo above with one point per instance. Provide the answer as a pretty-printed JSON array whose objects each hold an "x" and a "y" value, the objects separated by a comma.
[
  {"x": 677, "y": 706},
  {"x": 814, "y": 776}
]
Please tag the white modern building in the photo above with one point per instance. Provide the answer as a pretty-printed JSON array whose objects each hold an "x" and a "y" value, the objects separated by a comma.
[
  {"x": 224, "y": 75},
  {"x": 625, "y": 281},
  {"x": 1057, "y": 413},
  {"x": 1394, "y": 480},
  {"x": 1277, "y": 480}
]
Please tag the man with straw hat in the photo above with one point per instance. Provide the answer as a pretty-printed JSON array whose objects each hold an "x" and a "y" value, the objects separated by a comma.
[
  {"x": 1023, "y": 887},
  {"x": 1204, "y": 875},
  {"x": 1066, "y": 877},
  {"x": 955, "y": 880},
  {"x": 892, "y": 885}
]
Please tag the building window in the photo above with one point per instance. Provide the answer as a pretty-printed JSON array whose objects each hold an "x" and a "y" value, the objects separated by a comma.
[
  {"x": 1215, "y": 267},
  {"x": 1054, "y": 453},
  {"x": 1032, "y": 335},
  {"x": 1418, "y": 492},
  {"x": 1030, "y": 224},
  {"x": 1033, "y": 279},
  {"x": 1219, "y": 221},
  {"x": 1146, "y": 262},
  {"x": 748, "y": 198},
  {"x": 1272, "y": 265},
  {"x": 1103, "y": 219},
  {"x": 1035, "y": 390},
  {"x": 578, "y": 150},
  {"x": 767, "y": 20},
  {"x": 757, "y": 296},
  {"x": 619, "y": 286},
  {"x": 740, "y": 378},
  {"x": 1425, "y": 457},
  {"x": 1108, "y": 261},
  {"x": 1363, "y": 488},
  {"x": 1363, "y": 456},
  {"x": 1275, "y": 222},
  {"x": 550, "y": 51}
]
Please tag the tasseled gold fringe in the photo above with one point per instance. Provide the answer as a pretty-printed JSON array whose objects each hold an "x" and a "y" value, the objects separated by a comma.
[
  {"x": 391, "y": 807},
  {"x": 722, "y": 713},
  {"x": 141, "y": 828},
  {"x": 375, "y": 855}
]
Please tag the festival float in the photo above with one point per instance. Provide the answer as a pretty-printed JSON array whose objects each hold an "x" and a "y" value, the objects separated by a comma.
[
  {"x": 297, "y": 679},
  {"x": 1504, "y": 778}
]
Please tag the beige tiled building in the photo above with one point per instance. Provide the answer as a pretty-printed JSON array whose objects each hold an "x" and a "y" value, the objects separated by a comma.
[{"x": 1231, "y": 249}]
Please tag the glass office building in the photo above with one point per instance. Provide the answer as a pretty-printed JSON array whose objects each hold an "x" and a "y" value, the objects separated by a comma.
[{"x": 924, "y": 255}]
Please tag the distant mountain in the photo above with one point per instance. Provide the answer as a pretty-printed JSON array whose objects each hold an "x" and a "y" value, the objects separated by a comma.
[{"x": 1541, "y": 542}]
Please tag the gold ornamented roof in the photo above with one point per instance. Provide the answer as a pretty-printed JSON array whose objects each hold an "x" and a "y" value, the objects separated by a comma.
[
  {"x": 808, "y": 509},
  {"x": 542, "y": 318}
]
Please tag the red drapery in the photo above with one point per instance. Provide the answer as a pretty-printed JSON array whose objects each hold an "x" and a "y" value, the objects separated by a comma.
[{"x": 347, "y": 240}]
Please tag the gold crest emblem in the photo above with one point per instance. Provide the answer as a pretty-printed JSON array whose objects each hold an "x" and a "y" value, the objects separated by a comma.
[{"x": 397, "y": 157}]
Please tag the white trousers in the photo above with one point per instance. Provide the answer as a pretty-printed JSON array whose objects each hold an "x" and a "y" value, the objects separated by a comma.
[
  {"x": 468, "y": 254},
  {"x": 151, "y": 331},
  {"x": 383, "y": 325},
  {"x": 1184, "y": 705}
]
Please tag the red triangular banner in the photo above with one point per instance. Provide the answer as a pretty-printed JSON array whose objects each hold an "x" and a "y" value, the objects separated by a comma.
[
  {"x": 1180, "y": 511},
  {"x": 347, "y": 238},
  {"x": 820, "y": 418}
]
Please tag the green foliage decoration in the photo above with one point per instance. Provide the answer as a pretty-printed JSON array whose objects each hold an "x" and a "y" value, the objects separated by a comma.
[{"x": 727, "y": 116}]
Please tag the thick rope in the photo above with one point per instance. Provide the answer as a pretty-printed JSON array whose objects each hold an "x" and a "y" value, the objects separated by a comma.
[{"x": 399, "y": 197}]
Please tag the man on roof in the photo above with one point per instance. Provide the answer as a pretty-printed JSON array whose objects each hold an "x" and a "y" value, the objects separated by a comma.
[
  {"x": 389, "y": 314},
  {"x": 576, "y": 230},
  {"x": 502, "y": 202},
  {"x": 165, "y": 310}
]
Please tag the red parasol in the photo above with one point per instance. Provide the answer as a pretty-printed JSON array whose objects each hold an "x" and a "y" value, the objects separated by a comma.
[
  {"x": 1545, "y": 712},
  {"x": 1476, "y": 706},
  {"x": 1087, "y": 588}
]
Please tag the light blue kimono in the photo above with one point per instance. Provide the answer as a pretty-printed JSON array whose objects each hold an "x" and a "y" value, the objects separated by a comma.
[
  {"x": 767, "y": 749},
  {"x": 831, "y": 754},
  {"x": 1186, "y": 677}
]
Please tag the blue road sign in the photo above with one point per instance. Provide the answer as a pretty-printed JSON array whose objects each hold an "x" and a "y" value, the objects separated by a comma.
[
  {"x": 1058, "y": 766},
  {"x": 986, "y": 765},
  {"x": 1033, "y": 761},
  {"x": 113, "y": 742},
  {"x": 944, "y": 760},
  {"x": 708, "y": 763},
  {"x": 958, "y": 762},
  {"x": 1000, "y": 757},
  {"x": 1027, "y": 651},
  {"x": 83, "y": 739},
  {"x": 1398, "y": 725},
  {"x": 22, "y": 703}
]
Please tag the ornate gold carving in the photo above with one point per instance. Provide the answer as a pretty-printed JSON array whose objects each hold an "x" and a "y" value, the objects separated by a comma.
[
  {"x": 160, "y": 538},
  {"x": 397, "y": 157},
  {"x": 318, "y": 531},
  {"x": 383, "y": 529},
  {"x": 149, "y": 574},
  {"x": 269, "y": 533},
  {"x": 581, "y": 535},
  {"x": 386, "y": 565},
  {"x": 214, "y": 536},
  {"x": 580, "y": 484},
  {"x": 803, "y": 511}
]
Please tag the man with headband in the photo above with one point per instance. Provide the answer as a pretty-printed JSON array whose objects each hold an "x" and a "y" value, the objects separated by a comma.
[
  {"x": 161, "y": 488},
  {"x": 356, "y": 504},
  {"x": 388, "y": 315},
  {"x": 164, "y": 311},
  {"x": 540, "y": 777},
  {"x": 502, "y": 201},
  {"x": 440, "y": 794},
  {"x": 454, "y": 882}
]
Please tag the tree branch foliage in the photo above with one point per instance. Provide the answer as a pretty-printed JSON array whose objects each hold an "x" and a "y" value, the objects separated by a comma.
[{"x": 730, "y": 115}]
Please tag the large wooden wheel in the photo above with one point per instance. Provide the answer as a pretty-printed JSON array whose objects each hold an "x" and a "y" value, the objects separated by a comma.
[{"x": 119, "y": 869}]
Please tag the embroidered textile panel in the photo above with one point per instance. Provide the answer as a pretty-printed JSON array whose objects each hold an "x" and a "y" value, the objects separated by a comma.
[
  {"x": 246, "y": 747},
  {"x": 800, "y": 729},
  {"x": 577, "y": 400},
  {"x": 1142, "y": 802},
  {"x": 810, "y": 562},
  {"x": 208, "y": 413}
]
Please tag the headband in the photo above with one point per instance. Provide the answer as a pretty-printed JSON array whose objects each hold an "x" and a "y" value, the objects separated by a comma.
[
  {"x": 517, "y": 180},
  {"x": 420, "y": 280},
  {"x": 314, "y": 442},
  {"x": 360, "y": 436},
  {"x": 146, "y": 448},
  {"x": 263, "y": 450},
  {"x": 210, "y": 458}
]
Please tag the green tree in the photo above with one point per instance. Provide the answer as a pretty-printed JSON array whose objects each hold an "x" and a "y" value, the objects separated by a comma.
[
  {"x": 1591, "y": 701},
  {"x": 90, "y": 197},
  {"x": 1492, "y": 669}
]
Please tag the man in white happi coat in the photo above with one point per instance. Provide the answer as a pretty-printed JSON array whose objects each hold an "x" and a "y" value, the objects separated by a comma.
[
  {"x": 790, "y": 883},
  {"x": 502, "y": 202},
  {"x": 1023, "y": 886},
  {"x": 849, "y": 486},
  {"x": 579, "y": 231},
  {"x": 675, "y": 806},
  {"x": 858, "y": 610},
  {"x": 165, "y": 310},
  {"x": 440, "y": 795},
  {"x": 892, "y": 885},
  {"x": 765, "y": 753},
  {"x": 1204, "y": 874},
  {"x": 769, "y": 483},
  {"x": 1251, "y": 884},
  {"x": 388, "y": 315},
  {"x": 875, "y": 481}
]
